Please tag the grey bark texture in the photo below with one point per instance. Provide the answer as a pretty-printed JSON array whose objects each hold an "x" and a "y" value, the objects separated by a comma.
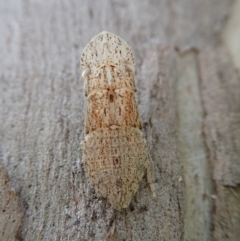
[{"x": 187, "y": 73}]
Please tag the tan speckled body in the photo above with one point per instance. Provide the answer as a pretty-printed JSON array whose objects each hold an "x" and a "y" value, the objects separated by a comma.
[{"x": 115, "y": 151}]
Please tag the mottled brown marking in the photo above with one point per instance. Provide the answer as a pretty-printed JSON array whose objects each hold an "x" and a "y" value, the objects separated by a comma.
[{"x": 115, "y": 151}]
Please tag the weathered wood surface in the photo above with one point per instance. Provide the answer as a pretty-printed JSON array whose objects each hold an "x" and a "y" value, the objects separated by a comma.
[
  {"x": 191, "y": 96},
  {"x": 10, "y": 217}
]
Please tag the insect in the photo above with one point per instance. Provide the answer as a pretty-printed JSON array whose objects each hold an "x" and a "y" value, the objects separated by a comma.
[{"x": 114, "y": 150}]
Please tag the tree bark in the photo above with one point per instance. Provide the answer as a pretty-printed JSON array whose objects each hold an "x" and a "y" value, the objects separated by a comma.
[{"x": 187, "y": 73}]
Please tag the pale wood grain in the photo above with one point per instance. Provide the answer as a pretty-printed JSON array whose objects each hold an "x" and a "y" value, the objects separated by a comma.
[{"x": 42, "y": 114}]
